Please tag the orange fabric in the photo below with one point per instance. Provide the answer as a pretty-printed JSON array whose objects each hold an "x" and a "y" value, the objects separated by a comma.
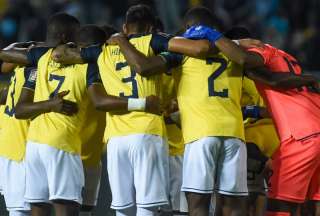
[
  {"x": 295, "y": 112},
  {"x": 295, "y": 169}
]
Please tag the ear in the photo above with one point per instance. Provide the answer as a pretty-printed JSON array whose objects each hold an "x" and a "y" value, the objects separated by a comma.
[{"x": 125, "y": 29}]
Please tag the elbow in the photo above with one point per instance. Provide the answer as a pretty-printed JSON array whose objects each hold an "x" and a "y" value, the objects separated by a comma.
[{"x": 19, "y": 112}]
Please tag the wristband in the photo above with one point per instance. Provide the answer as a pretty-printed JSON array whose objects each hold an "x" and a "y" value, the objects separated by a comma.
[{"x": 136, "y": 104}]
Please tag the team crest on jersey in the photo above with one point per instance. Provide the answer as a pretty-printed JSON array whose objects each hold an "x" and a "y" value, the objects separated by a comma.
[{"x": 33, "y": 75}]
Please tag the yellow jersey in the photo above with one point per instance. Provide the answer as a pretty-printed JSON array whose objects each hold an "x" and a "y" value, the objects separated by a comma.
[
  {"x": 55, "y": 129},
  {"x": 262, "y": 131},
  {"x": 120, "y": 80},
  {"x": 14, "y": 132},
  {"x": 209, "y": 93},
  {"x": 174, "y": 133},
  {"x": 92, "y": 136}
]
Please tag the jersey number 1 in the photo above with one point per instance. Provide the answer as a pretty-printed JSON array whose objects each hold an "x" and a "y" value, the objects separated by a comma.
[{"x": 223, "y": 65}]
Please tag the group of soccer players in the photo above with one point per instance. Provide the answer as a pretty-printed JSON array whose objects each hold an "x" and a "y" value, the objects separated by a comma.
[{"x": 189, "y": 123}]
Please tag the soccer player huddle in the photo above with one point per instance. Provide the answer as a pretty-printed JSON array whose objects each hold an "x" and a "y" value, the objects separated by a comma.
[{"x": 194, "y": 124}]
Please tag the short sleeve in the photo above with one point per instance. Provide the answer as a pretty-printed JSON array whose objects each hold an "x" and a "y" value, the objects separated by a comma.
[
  {"x": 35, "y": 54},
  {"x": 93, "y": 74},
  {"x": 263, "y": 52},
  {"x": 172, "y": 59},
  {"x": 30, "y": 75},
  {"x": 91, "y": 54},
  {"x": 159, "y": 42}
]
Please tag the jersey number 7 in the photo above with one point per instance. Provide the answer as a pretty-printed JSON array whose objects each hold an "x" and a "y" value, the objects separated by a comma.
[
  {"x": 223, "y": 65},
  {"x": 60, "y": 80}
]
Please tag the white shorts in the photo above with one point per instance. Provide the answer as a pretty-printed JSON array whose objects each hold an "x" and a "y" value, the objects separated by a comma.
[
  {"x": 220, "y": 159},
  {"x": 13, "y": 180},
  {"x": 1, "y": 175},
  {"x": 138, "y": 171},
  {"x": 92, "y": 176},
  {"x": 52, "y": 174},
  {"x": 178, "y": 199}
]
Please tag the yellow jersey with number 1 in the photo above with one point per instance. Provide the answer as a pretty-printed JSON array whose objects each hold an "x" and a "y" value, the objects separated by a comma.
[
  {"x": 120, "y": 80},
  {"x": 14, "y": 131},
  {"x": 209, "y": 93},
  {"x": 260, "y": 132}
]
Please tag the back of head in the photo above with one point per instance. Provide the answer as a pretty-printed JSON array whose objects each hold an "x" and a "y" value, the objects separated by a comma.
[
  {"x": 201, "y": 16},
  {"x": 140, "y": 18},
  {"x": 237, "y": 33},
  {"x": 109, "y": 30},
  {"x": 61, "y": 28},
  {"x": 89, "y": 35},
  {"x": 158, "y": 25}
]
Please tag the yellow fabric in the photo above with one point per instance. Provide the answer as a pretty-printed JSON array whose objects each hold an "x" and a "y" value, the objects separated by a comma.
[
  {"x": 55, "y": 129},
  {"x": 113, "y": 69},
  {"x": 92, "y": 137},
  {"x": 14, "y": 131},
  {"x": 203, "y": 115},
  {"x": 260, "y": 132},
  {"x": 175, "y": 139}
]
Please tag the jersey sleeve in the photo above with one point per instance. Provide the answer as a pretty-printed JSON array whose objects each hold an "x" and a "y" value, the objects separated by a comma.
[
  {"x": 93, "y": 74},
  {"x": 91, "y": 54},
  {"x": 30, "y": 75},
  {"x": 172, "y": 59},
  {"x": 159, "y": 42},
  {"x": 35, "y": 54},
  {"x": 264, "y": 52}
]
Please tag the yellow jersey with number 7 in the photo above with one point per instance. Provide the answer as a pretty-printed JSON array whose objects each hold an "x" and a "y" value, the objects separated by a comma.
[{"x": 209, "y": 93}]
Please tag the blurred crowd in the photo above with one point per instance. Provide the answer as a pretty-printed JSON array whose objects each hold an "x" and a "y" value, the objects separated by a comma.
[{"x": 289, "y": 24}]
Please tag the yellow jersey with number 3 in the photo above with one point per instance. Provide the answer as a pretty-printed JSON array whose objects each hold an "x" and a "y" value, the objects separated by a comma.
[
  {"x": 120, "y": 80},
  {"x": 54, "y": 129},
  {"x": 174, "y": 133},
  {"x": 209, "y": 93},
  {"x": 260, "y": 132},
  {"x": 14, "y": 132}
]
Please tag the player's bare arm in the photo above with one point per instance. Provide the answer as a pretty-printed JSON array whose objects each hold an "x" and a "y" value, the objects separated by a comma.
[
  {"x": 237, "y": 54},
  {"x": 192, "y": 48},
  {"x": 67, "y": 54},
  {"x": 141, "y": 64},
  {"x": 108, "y": 103},
  {"x": 281, "y": 80},
  {"x": 27, "y": 109}
]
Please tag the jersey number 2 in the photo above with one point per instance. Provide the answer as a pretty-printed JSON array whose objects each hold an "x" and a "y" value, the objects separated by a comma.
[
  {"x": 131, "y": 79},
  {"x": 223, "y": 65},
  {"x": 60, "y": 80}
]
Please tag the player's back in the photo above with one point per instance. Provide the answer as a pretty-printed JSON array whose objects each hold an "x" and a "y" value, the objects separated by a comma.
[
  {"x": 120, "y": 80},
  {"x": 296, "y": 112},
  {"x": 209, "y": 92},
  {"x": 55, "y": 129}
]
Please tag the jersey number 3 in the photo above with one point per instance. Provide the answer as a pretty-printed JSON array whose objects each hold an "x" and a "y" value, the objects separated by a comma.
[
  {"x": 223, "y": 65},
  {"x": 131, "y": 79}
]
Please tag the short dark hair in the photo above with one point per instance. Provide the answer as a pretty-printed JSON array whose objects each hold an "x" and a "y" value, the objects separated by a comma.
[
  {"x": 158, "y": 25},
  {"x": 109, "y": 30},
  {"x": 140, "y": 15},
  {"x": 62, "y": 26},
  {"x": 90, "y": 34},
  {"x": 237, "y": 32},
  {"x": 201, "y": 16}
]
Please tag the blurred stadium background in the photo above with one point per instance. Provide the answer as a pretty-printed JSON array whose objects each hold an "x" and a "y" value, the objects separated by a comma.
[{"x": 292, "y": 25}]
